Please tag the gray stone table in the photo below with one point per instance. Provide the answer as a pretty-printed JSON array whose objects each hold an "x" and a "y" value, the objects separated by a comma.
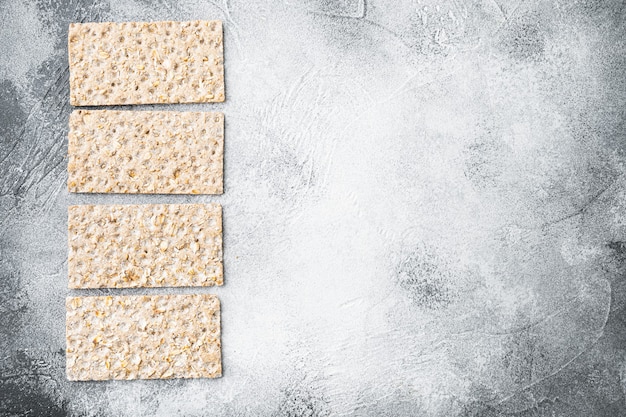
[{"x": 424, "y": 210}]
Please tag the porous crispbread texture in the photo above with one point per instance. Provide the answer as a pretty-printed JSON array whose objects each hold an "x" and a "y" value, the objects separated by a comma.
[
  {"x": 150, "y": 152},
  {"x": 143, "y": 337},
  {"x": 149, "y": 245},
  {"x": 142, "y": 63}
]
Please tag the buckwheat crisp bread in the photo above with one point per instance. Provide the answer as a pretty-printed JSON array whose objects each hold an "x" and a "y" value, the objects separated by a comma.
[
  {"x": 143, "y": 337},
  {"x": 149, "y": 245},
  {"x": 143, "y": 63},
  {"x": 150, "y": 152}
]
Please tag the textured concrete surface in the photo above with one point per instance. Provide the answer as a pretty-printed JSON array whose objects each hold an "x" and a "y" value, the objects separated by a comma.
[{"x": 424, "y": 210}]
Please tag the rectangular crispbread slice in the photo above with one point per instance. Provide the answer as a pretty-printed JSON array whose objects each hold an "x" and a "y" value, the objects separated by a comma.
[
  {"x": 143, "y": 63},
  {"x": 149, "y": 245},
  {"x": 148, "y": 152},
  {"x": 143, "y": 337}
]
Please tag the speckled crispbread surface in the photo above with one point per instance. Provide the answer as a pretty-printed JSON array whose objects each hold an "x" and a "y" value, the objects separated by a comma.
[
  {"x": 142, "y": 63},
  {"x": 143, "y": 337},
  {"x": 149, "y": 245},
  {"x": 151, "y": 152}
]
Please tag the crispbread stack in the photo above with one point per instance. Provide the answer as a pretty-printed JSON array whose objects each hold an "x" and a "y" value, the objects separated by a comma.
[{"x": 151, "y": 245}]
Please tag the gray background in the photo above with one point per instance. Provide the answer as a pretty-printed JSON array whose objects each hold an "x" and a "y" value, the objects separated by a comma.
[{"x": 424, "y": 210}]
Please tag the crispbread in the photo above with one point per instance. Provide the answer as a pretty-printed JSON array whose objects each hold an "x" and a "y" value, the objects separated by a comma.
[
  {"x": 150, "y": 245},
  {"x": 142, "y": 63},
  {"x": 143, "y": 337},
  {"x": 161, "y": 152}
]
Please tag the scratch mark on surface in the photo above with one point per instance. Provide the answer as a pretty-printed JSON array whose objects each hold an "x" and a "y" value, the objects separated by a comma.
[
  {"x": 403, "y": 90},
  {"x": 570, "y": 361},
  {"x": 362, "y": 17},
  {"x": 500, "y": 9},
  {"x": 361, "y": 12},
  {"x": 583, "y": 208},
  {"x": 559, "y": 310},
  {"x": 507, "y": 19}
]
